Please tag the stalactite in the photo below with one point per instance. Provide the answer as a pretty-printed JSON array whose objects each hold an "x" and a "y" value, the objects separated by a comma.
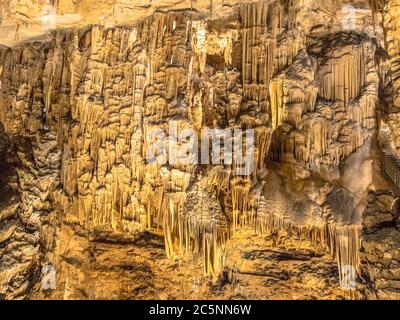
[
  {"x": 343, "y": 241},
  {"x": 240, "y": 188},
  {"x": 376, "y": 5},
  {"x": 288, "y": 49},
  {"x": 310, "y": 99},
  {"x": 208, "y": 240},
  {"x": 173, "y": 224},
  {"x": 196, "y": 233},
  {"x": 276, "y": 96},
  {"x": 347, "y": 248},
  {"x": 262, "y": 141},
  {"x": 218, "y": 178},
  {"x": 292, "y": 114},
  {"x": 112, "y": 86},
  {"x": 343, "y": 78},
  {"x": 258, "y": 51}
]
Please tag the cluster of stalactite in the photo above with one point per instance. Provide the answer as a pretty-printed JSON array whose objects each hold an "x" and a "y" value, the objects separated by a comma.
[
  {"x": 262, "y": 54},
  {"x": 387, "y": 13},
  {"x": 291, "y": 98},
  {"x": 390, "y": 20},
  {"x": 102, "y": 92},
  {"x": 343, "y": 77},
  {"x": 109, "y": 94},
  {"x": 310, "y": 124},
  {"x": 343, "y": 240}
]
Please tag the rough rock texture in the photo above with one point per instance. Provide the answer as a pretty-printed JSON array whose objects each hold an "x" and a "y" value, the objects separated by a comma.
[{"x": 81, "y": 108}]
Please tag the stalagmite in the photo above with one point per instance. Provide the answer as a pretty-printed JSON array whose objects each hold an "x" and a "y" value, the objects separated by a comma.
[{"x": 240, "y": 192}]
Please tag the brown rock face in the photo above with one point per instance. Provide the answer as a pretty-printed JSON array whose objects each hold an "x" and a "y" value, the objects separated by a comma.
[{"x": 199, "y": 150}]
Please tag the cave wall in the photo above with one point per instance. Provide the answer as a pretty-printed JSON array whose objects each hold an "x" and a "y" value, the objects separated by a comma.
[{"x": 80, "y": 106}]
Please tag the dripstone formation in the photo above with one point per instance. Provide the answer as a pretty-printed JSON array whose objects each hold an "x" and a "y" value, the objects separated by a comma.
[{"x": 85, "y": 214}]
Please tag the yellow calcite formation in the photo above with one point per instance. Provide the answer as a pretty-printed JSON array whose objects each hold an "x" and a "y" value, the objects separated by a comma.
[{"x": 87, "y": 106}]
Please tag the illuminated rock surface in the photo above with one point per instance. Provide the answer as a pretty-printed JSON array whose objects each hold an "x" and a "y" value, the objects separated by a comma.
[{"x": 83, "y": 85}]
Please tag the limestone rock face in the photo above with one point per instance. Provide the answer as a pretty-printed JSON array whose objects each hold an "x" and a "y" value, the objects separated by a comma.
[{"x": 95, "y": 99}]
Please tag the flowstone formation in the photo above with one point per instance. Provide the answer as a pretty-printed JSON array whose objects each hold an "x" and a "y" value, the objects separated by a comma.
[{"x": 84, "y": 211}]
